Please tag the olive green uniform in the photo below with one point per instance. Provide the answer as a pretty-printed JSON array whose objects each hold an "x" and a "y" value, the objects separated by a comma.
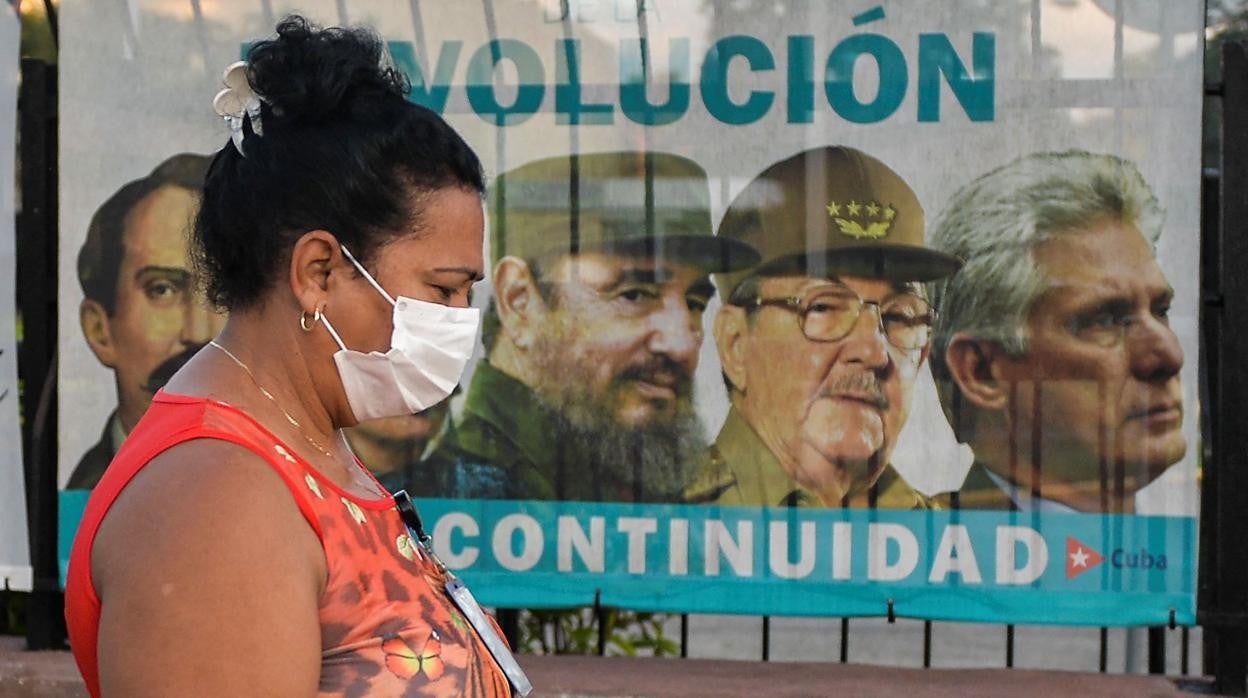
[
  {"x": 741, "y": 471},
  {"x": 978, "y": 491},
  {"x": 504, "y": 444}
]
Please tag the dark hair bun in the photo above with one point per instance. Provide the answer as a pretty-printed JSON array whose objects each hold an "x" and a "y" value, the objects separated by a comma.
[
  {"x": 342, "y": 150},
  {"x": 309, "y": 75}
]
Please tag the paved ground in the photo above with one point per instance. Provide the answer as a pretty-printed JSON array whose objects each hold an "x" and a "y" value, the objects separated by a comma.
[
  {"x": 36, "y": 674},
  {"x": 577, "y": 677},
  {"x": 52, "y": 675}
]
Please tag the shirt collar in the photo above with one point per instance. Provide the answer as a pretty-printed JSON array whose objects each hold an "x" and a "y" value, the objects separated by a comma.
[{"x": 1025, "y": 501}]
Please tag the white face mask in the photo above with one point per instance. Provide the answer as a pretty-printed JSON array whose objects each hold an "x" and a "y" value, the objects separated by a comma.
[{"x": 429, "y": 348}]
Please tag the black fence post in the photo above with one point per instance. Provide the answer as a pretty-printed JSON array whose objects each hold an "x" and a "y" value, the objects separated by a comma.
[
  {"x": 1209, "y": 360},
  {"x": 1157, "y": 650},
  {"x": 1224, "y": 596},
  {"x": 36, "y": 358}
]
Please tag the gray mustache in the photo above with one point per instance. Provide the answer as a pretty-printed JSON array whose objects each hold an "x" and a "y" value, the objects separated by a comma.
[{"x": 862, "y": 385}]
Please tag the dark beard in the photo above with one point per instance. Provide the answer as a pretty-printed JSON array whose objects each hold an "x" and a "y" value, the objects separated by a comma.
[
  {"x": 648, "y": 463},
  {"x": 609, "y": 461}
]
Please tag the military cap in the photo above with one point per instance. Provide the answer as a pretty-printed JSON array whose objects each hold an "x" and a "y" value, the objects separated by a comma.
[
  {"x": 635, "y": 203},
  {"x": 828, "y": 211}
]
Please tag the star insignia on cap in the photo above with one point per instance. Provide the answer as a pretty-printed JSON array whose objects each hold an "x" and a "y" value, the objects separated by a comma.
[{"x": 869, "y": 220}]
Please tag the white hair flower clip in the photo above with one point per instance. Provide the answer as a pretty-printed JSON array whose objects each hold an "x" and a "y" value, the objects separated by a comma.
[{"x": 236, "y": 102}]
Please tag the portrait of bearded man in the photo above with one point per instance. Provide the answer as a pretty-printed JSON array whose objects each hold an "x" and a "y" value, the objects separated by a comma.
[{"x": 600, "y": 280}]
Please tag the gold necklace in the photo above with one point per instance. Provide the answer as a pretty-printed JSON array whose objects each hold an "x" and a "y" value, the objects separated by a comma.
[{"x": 293, "y": 422}]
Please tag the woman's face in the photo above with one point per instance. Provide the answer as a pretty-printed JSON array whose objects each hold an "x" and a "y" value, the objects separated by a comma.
[{"x": 439, "y": 265}]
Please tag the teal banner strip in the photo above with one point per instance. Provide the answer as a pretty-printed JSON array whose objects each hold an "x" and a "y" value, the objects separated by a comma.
[{"x": 981, "y": 566}]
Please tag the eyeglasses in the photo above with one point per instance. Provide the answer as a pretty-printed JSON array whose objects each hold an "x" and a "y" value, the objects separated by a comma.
[{"x": 829, "y": 313}]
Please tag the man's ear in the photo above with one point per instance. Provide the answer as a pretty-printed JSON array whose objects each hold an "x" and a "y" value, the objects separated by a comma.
[
  {"x": 731, "y": 325},
  {"x": 98, "y": 332},
  {"x": 518, "y": 301},
  {"x": 315, "y": 264},
  {"x": 973, "y": 364},
  {"x": 924, "y": 353}
]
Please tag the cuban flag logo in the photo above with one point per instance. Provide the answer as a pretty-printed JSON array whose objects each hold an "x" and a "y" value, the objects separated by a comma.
[{"x": 1080, "y": 557}]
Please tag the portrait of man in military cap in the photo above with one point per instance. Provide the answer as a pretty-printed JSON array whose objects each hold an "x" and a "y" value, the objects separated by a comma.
[
  {"x": 601, "y": 268},
  {"x": 141, "y": 314},
  {"x": 821, "y": 343},
  {"x": 1054, "y": 341}
]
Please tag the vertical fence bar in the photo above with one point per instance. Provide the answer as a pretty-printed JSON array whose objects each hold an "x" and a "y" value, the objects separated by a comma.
[
  {"x": 36, "y": 359},
  {"x": 766, "y": 638},
  {"x": 1157, "y": 650},
  {"x": 600, "y": 619},
  {"x": 1009, "y": 646},
  {"x": 1209, "y": 361},
  {"x": 844, "y": 640},
  {"x": 927, "y": 644},
  {"x": 1225, "y": 607},
  {"x": 1102, "y": 662},
  {"x": 684, "y": 635},
  {"x": 509, "y": 622}
]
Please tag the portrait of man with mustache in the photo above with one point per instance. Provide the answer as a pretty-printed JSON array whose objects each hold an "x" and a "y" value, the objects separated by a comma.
[
  {"x": 600, "y": 280},
  {"x": 141, "y": 314},
  {"x": 822, "y": 342}
]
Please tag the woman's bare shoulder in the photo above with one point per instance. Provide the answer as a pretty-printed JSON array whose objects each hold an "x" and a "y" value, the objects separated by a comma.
[
  {"x": 205, "y": 494},
  {"x": 207, "y": 537}
]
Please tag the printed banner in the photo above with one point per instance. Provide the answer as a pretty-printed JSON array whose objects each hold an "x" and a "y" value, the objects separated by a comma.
[
  {"x": 792, "y": 309},
  {"x": 15, "y": 572}
]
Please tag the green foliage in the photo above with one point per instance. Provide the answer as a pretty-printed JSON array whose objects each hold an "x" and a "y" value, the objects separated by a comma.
[{"x": 575, "y": 631}]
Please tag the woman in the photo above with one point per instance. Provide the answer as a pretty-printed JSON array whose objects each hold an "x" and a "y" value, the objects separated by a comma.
[{"x": 235, "y": 546}]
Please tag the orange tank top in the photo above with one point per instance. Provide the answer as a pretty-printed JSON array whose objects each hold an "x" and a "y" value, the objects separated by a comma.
[{"x": 388, "y": 627}]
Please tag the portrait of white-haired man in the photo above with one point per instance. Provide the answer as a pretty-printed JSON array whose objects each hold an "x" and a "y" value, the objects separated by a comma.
[{"x": 1053, "y": 343}]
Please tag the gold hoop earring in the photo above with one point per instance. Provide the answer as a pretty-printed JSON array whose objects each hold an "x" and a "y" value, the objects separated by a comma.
[{"x": 303, "y": 320}]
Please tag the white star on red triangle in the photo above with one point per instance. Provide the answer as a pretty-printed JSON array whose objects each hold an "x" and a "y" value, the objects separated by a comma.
[{"x": 1079, "y": 558}]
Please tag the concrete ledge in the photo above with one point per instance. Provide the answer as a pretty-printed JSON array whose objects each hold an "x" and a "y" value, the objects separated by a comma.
[{"x": 53, "y": 675}]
